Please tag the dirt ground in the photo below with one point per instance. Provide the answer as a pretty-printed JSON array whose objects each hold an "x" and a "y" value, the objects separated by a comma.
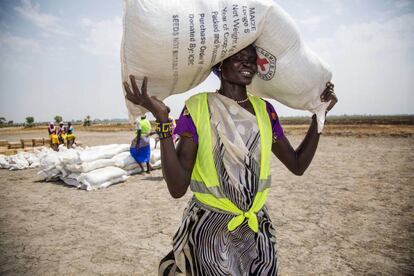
[{"x": 351, "y": 213}]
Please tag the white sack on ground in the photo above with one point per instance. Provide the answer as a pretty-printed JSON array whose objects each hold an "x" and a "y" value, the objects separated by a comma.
[
  {"x": 18, "y": 162},
  {"x": 71, "y": 180},
  {"x": 90, "y": 166},
  {"x": 4, "y": 162},
  {"x": 156, "y": 164},
  {"x": 131, "y": 167},
  {"x": 175, "y": 44},
  {"x": 105, "y": 184},
  {"x": 124, "y": 159},
  {"x": 102, "y": 152},
  {"x": 155, "y": 155},
  {"x": 101, "y": 178},
  {"x": 67, "y": 165},
  {"x": 153, "y": 143}
]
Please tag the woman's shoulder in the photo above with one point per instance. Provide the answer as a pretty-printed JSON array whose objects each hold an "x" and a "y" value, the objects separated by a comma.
[{"x": 198, "y": 96}]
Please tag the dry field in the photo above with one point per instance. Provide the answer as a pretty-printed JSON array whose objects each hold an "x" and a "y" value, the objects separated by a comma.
[{"x": 350, "y": 214}]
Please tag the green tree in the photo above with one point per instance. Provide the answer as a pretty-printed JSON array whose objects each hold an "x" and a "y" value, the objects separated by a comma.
[
  {"x": 29, "y": 121},
  {"x": 87, "y": 121},
  {"x": 58, "y": 119},
  {"x": 2, "y": 121}
]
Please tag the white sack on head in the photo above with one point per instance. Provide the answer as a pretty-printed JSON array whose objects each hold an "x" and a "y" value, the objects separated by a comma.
[{"x": 175, "y": 44}]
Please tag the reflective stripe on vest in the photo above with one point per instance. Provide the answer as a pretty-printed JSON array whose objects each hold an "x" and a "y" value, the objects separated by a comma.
[{"x": 204, "y": 179}]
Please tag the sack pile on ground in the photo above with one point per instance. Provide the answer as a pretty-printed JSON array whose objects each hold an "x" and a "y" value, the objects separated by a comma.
[
  {"x": 88, "y": 168},
  {"x": 23, "y": 160},
  {"x": 92, "y": 168}
]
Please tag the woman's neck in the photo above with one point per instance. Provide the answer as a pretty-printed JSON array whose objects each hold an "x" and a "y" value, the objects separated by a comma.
[{"x": 233, "y": 91}]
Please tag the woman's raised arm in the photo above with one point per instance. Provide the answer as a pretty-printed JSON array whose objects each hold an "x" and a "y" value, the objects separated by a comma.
[
  {"x": 177, "y": 164},
  {"x": 297, "y": 161}
]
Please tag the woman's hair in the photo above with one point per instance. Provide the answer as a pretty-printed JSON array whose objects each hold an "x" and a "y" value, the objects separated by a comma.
[{"x": 215, "y": 69}]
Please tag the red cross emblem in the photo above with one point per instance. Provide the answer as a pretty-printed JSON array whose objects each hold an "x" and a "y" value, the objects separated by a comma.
[{"x": 261, "y": 62}]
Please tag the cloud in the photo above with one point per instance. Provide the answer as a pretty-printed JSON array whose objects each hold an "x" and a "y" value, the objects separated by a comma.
[
  {"x": 17, "y": 43},
  {"x": 313, "y": 20},
  {"x": 104, "y": 37},
  {"x": 337, "y": 5},
  {"x": 47, "y": 22},
  {"x": 372, "y": 64},
  {"x": 401, "y": 4}
]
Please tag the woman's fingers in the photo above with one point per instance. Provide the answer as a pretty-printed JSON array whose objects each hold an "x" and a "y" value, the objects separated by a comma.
[
  {"x": 325, "y": 96},
  {"x": 134, "y": 85},
  {"x": 131, "y": 96},
  {"x": 328, "y": 95},
  {"x": 127, "y": 89},
  {"x": 333, "y": 100},
  {"x": 144, "y": 87}
]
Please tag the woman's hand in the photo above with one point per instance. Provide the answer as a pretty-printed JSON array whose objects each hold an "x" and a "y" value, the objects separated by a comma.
[
  {"x": 140, "y": 97},
  {"x": 328, "y": 95}
]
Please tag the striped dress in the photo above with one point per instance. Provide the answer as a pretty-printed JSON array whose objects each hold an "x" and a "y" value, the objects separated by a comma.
[{"x": 203, "y": 245}]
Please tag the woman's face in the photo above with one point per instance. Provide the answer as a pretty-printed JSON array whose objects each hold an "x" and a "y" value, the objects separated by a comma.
[{"x": 241, "y": 67}]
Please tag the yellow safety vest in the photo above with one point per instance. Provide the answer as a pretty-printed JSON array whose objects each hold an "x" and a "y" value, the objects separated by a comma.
[
  {"x": 204, "y": 179},
  {"x": 145, "y": 126}
]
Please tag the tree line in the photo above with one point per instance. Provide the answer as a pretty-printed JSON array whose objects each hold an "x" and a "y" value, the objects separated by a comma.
[{"x": 30, "y": 121}]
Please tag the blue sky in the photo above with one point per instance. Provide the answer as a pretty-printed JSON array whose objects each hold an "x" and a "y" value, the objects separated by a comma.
[{"x": 62, "y": 57}]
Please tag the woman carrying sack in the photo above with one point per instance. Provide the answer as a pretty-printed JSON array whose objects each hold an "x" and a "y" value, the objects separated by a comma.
[{"x": 223, "y": 154}]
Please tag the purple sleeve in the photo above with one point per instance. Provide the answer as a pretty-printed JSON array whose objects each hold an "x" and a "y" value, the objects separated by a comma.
[
  {"x": 274, "y": 121},
  {"x": 185, "y": 124}
]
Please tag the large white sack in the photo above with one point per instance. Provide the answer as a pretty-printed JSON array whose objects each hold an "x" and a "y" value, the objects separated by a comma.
[
  {"x": 4, "y": 162},
  {"x": 71, "y": 180},
  {"x": 153, "y": 143},
  {"x": 18, "y": 162},
  {"x": 48, "y": 174},
  {"x": 33, "y": 160},
  {"x": 156, "y": 164},
  {"x": 124, "y": 159},
  {"x": 69, "y": 156},
  {"x": 134, "y": 171},
  {"x": 101, "y": 175},
  {"x": 92, "y": 186},
  {"x": 131, "y": 167},
  {"x": 155, "y": 155},
  {"x": 90, "y": 166},
  {"x": 175, "y": 44},
  {"x": 95, "y": 153},
  {"x": 49, "y": 160}
]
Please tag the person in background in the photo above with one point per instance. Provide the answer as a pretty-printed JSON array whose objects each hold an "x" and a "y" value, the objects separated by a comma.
[
  {"x": 70, "y": 137},
  {"x": 145, "y": 125},
  {"x": 140, "y": 148},
  {"x": 54, "y": 139},
  {"x": 61, "y": 133}
]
